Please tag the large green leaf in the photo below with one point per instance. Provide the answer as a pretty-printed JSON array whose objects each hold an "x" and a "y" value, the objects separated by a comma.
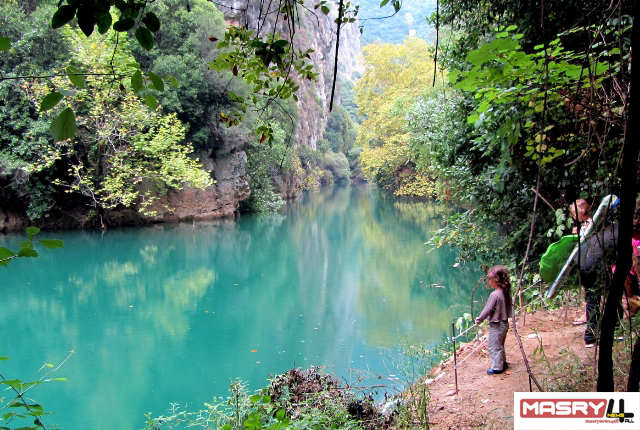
[
  {"x": 5, "y": 44},
  {"x": 124, "y": 24},
  {"x": 156, "y": 80},
  {"x": 281, "y": 43},
  {"x": 136, "y": 81},
  {"x": 104, "y": 22},
  {"x": 144, "y": 38},
  {"x": 86, "y": 20},
  {"x": 51, "y": 243},
  {"x": 15, "y": 383},
  {"x": 73, "y": 73},
  {"x": 64, "y": 125},
  {"x": 26, "y": 252},
  {"x": 6, "y": 253},
  {"x": 151, "y": 101},
  {"x": 131, "y": 12},
  {"x": 32, "y": 231},
  {"x": 63, "y": 15},
  {"x": 151, "y": 21},
  {"x": 49, "y": 101},
  {"x": 67, "y": 93}
]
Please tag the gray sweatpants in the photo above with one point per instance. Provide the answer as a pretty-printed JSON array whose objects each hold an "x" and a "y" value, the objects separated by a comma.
[{"x": 497, "y": 336}]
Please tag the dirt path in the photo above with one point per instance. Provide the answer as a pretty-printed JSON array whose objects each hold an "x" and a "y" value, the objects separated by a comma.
[{"x": 486, "y": 401}]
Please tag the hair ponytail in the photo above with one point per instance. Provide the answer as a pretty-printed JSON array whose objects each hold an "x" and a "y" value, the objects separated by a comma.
[{"x": 501, "y": 276}]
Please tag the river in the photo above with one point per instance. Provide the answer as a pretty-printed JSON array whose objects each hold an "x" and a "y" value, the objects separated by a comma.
[{"x": 171, "y": 313}]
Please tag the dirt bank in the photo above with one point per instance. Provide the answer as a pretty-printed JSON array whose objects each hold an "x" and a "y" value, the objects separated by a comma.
[{"x": 557, "y": 357}]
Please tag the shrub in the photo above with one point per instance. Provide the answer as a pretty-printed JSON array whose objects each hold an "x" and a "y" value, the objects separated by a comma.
[{"x": 337, "y": 164}]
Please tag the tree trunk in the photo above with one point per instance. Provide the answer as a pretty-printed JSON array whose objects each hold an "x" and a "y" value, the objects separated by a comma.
[{"x": 628, "y": 192}]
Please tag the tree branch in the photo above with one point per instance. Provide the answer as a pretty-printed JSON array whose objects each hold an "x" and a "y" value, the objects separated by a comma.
[{"x": 335, "y": 63}]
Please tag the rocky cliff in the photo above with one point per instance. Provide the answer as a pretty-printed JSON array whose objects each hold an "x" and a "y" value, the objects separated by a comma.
[
  {"x": 228, "y": 162},
  {"x": 318, "y": 32}
]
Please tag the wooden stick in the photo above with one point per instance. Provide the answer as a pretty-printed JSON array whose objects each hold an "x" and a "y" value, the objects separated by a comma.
[
  {"x": 455, "y": 364},
  {"x": 543, "y": 199}
]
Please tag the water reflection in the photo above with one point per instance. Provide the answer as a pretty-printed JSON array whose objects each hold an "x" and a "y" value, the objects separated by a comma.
[{"x": 170, "y": 313}]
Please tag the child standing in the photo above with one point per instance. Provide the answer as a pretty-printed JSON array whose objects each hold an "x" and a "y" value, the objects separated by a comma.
[
  {"x": 579, "y": 211},
  {"x": 498, "y": 310}
]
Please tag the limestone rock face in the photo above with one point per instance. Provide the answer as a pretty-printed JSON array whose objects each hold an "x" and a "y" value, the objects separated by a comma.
[
  {"x": 227, "y": 164},
  {"x": 228, "y": 161},
  {"x": 318, "y": 32},
  {"x": 217, "y": 201},
  {"x": 11, "y": 221}
]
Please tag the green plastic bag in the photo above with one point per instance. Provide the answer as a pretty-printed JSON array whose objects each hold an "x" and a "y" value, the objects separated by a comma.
[{"x": 556, "y": 255}]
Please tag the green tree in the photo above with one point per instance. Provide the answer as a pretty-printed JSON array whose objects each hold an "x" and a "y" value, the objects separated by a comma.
[
  {"x": 551, "y": 116},
  {"x": 395, "y": 76},
  {"x": 122, "y": 155},
  {"x": 337, "y": 164},
  {"x": 521, "y": 112},
  {"x": 183, "y": 50},
  {"x": 35, "y": 46},
  {"x": 341, "y": 132}
]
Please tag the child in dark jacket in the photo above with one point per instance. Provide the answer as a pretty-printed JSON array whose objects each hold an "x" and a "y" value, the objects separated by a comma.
[{"x": 498, "y": 310}]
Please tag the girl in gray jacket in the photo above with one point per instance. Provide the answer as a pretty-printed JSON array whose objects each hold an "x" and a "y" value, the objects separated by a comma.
[{"x": 498, "y": 310}]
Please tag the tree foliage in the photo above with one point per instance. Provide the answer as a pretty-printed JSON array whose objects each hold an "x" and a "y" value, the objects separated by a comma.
[
  {"x": 183, "y": 49},
  {"x": 341, "y": 131},
  {"x": 395, "y": 76},
  {"x": 115, "y": 154},
  {"x": 548, "y": 109},
  {"x": 523, "y": 106}
]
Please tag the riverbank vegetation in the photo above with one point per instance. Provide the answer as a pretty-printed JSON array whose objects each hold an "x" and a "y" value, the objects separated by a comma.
[
  {"x": 96, "y": 122},
  {"x": 510, "y": 112}
]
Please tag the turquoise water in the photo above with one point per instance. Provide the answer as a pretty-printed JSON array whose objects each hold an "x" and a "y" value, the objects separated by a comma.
[{"x": 170, "y": 313}]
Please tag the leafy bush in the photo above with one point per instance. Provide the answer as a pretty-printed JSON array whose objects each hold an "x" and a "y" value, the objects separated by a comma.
[
  {"x": 472, "y": 239},
  {"x": 265, "y": 164},
  {"x": 414, "y": 183},
  {"x": 323, "y": 145},
  {"x": 337, "y": 164},
  {"x": 327, "y": 177},
  {"x": 308, "y": 156},
  {"x": 261, "y": 160},
  {"x": 298, "y": 399},
  {"x": 19, "y": 406}
]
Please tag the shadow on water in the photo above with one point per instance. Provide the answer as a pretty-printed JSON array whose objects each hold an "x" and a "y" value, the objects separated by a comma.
[{"x": 171, "y": 313}]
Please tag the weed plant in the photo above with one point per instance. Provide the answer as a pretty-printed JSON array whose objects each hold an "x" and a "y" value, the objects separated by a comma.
[{"x": 295, "y": 400}]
